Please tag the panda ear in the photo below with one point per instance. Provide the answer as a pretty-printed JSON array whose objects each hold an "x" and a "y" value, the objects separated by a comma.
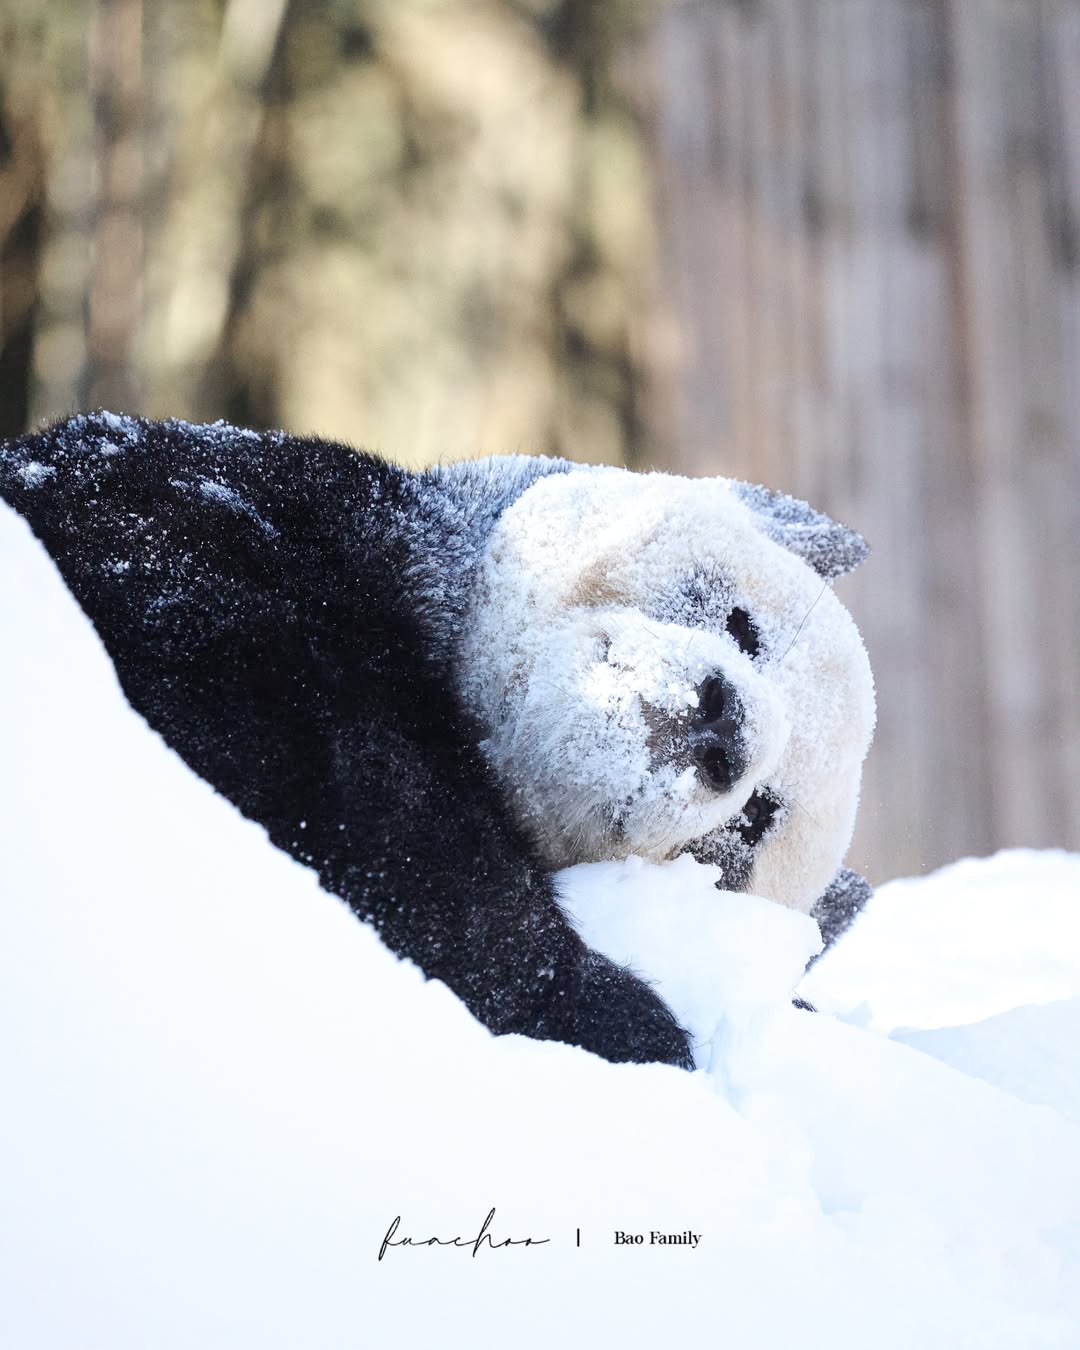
[{"x": 829, "y": 548}]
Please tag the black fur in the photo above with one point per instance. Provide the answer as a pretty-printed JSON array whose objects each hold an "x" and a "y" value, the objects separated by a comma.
[
  {"x": 283, "y": 611},
  {"x": 840, "y": 906},
  {"x": 829, "y": 548}
]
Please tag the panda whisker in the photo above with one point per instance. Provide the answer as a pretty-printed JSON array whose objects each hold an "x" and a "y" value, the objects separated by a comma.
[
  {"x": 807, "y": 813},
  {"x": 550, "y": 684},
  {"x": 798, "y": 631}
]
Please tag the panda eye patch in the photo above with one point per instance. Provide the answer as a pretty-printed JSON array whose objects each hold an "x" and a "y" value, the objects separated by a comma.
[
  {"x": 742, "y": 629},
  {"x": 756, "y": 817}
]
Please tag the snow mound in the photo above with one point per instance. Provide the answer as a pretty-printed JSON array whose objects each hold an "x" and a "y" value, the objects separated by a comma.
[
  {"x": 971, "y": 941},
  {"x": 722, "y": 961},
  {"x": 1030, "y": 1052},
  {"x": 220, "y": 1090}
]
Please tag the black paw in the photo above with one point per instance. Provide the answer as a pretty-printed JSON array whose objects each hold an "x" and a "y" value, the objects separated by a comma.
[
  {"x": 618, "y": 1016},
  {"x": 839, "y": 907}
]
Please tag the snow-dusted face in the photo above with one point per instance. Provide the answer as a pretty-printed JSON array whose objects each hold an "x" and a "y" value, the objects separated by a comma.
[{"x": 655, "y": 674}]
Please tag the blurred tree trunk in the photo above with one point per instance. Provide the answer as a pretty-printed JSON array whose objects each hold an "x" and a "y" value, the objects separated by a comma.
[
  {"x": 415, "y": 226},
  {"x": 212, "y": 116},
  {"x": 114, "y": 305},
  {"x": 22, "y": 207},
  {"x": 418, "y": 225},
  {"x": 46, "y": 208},
  {"x": 22, "y": 194},
  {"x": 871, "y": 261}
]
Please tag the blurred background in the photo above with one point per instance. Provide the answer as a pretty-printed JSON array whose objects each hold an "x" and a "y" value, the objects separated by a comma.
[{"x": 828, "y": 245}]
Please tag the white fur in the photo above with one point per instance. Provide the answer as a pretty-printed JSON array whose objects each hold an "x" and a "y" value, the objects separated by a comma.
[{"x": 599, "y": 608}]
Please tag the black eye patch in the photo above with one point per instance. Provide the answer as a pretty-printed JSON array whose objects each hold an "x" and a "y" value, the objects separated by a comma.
[
  {"x": 742, "y": 629},
  {"x": 757, "y": 815}
]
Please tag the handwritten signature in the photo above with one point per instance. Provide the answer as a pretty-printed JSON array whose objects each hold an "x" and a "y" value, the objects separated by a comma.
[{"x": 475, "y": 1243}]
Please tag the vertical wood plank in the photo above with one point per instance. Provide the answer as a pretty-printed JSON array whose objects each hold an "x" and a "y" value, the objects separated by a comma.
[{"x": 902, "y": 347}]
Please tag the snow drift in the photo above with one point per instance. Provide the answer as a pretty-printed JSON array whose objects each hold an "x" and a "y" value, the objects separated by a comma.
[{"x": 219, "y": 1089}]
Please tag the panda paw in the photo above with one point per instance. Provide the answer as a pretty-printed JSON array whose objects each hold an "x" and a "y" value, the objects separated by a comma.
[{"x": 619, "y": 1017}]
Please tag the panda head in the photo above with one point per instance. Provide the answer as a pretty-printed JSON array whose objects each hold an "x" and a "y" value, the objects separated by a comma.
[{"x": 659, "y": 665}]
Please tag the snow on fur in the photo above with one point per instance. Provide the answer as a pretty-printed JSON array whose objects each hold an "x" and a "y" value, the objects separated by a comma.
[
  {"x": 219, "y": 1089},
  {"x": 600, "y": 608}
]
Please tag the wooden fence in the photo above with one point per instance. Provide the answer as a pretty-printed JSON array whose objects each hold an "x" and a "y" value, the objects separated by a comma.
[{"x": 869, "y": 216}]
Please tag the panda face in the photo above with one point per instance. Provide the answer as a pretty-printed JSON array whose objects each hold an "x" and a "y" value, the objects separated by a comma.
[{"x": 654, "y": 673}]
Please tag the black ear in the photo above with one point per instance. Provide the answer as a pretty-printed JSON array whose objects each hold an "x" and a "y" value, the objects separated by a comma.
[
  {"x": 838, "y": 908},
  {"x": 829, "y": 548}
]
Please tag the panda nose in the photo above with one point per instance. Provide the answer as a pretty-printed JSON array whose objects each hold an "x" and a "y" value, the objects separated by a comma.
[{"x": 716, "y": 740}]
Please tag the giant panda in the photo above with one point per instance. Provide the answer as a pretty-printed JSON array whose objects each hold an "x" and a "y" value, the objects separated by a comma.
[{"x": 438, "y": 688}]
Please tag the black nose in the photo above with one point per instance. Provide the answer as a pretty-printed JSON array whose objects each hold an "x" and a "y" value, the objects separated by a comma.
[{"x": 716, "y": 736}]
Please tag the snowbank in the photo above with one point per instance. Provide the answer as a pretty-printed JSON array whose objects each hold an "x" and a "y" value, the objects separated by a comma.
[{"x": 219, "y": 1089}]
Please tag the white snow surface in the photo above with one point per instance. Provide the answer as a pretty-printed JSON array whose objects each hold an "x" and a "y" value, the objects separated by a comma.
[
  {"x": 1006, "y": 932},
  {"x": 218, "y": 1089}
]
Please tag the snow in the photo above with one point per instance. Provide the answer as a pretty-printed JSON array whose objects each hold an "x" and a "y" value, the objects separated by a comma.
[
  {"x": 222, "y": 495},
  {"x": 717, "y": 958},
  {"x": 220, "y": 1090},
  {"x": 1030, "y": 1052},
  {"x": 34, "y": 473},
  {"x": 1006, "y": 933}
]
